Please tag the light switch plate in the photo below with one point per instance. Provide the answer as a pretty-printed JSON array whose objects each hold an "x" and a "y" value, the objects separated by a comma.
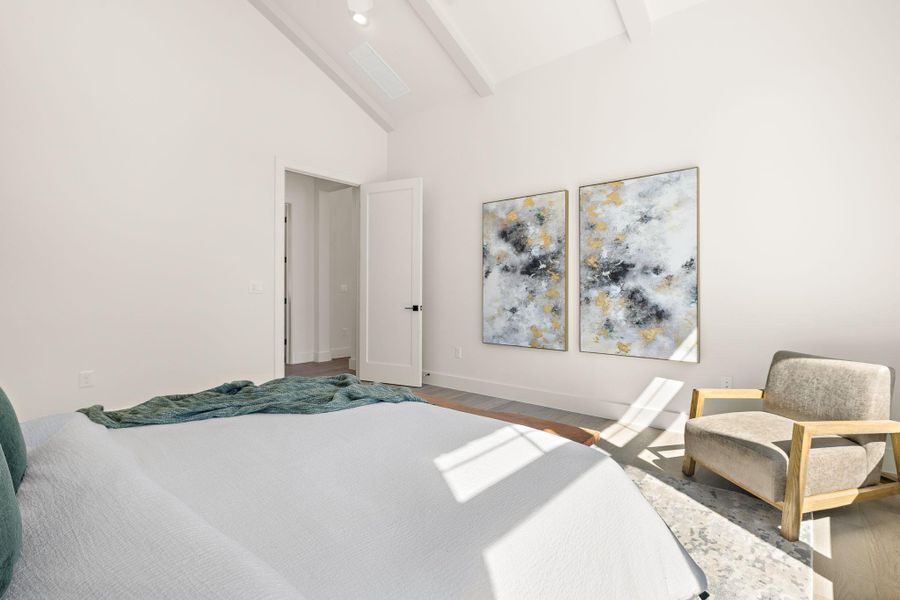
[{"x": 256, "y": 287}]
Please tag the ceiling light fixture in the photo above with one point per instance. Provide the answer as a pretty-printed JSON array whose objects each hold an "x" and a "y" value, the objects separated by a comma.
[{"x": 358, "y": 10}]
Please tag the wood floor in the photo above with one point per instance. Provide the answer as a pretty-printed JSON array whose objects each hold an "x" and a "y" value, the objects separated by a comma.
[{"x": 856, "y": 548}]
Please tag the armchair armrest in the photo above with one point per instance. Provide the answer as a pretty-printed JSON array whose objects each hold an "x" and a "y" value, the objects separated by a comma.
[
  {"x": 795, "y": 487},
  {"x": 814, "y": 428},
  {"x": 698, "y": 398}
]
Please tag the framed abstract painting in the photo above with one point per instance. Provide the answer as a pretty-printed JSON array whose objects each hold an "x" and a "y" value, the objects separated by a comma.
[
  {"x": 638, "y": 267},
  {"x": 524, "y": 271}
]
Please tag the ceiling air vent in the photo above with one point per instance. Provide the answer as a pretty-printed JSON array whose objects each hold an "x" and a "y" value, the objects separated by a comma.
[{"x": 379, "y": 71}]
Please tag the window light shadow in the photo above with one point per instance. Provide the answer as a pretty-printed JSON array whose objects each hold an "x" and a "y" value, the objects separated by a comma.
[
  {"x": 655, "y": 397},
  {"x": 481, "y": 463},
  {"x": 687, "y": 350}
]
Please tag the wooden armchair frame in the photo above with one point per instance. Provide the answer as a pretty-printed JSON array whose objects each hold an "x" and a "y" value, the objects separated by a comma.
[{"x": 795, "y": 503}]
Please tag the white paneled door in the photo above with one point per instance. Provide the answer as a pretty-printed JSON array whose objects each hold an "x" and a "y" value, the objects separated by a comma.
[{"x": 390, "y": 282}]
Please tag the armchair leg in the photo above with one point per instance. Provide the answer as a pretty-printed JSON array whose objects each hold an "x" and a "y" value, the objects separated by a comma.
[
  {"x": 689, "y": 465},
  {"x": 895, "y": 443},
  {"x": 795, "y": 485},
  {"x": 790, "y": 523}
]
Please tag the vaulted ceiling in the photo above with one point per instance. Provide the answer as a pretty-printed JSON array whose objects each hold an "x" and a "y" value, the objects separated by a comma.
[{"x": 422, "y": 52}]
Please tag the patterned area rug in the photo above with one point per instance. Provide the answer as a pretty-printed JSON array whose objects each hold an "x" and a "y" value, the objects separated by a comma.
[{"x": 733, "y": 537}]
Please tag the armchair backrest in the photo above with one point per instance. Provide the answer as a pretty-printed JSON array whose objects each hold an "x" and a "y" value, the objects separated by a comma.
[{"x": 803, "y": 387}]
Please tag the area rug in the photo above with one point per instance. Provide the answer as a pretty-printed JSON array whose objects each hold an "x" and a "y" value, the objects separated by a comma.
[{"x": 733, "y": 537}]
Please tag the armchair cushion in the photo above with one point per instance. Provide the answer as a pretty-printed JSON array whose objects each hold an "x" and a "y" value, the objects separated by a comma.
[
  {"x": 805, "y": 387},
  {"x": 751, "y": 449}
]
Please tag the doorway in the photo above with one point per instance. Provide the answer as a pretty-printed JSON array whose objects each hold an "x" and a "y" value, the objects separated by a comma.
[{"x": 321, "y": 271}]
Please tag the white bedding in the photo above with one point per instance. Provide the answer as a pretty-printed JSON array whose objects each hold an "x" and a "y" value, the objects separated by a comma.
[{"x": 384, "y": 501}]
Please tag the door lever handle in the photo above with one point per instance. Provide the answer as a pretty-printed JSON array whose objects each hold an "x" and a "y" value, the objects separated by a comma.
[{"x": 414, "y": 307}]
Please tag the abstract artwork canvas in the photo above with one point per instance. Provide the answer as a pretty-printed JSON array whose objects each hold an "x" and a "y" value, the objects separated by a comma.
[
  {"x": 638, "y": 267},
  {"x": 524, "y": 271}
]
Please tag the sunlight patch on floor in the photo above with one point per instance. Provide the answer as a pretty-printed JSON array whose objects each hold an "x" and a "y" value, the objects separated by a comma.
[
  {"x": 823, "y": 588},
  {"x": 648, "y": 457},
  {"x": 655, "y": 397},
  {"x": 475, "y": 467},
  {"x": 671, "y": 453},
  {"x": 822, "y": 537}
]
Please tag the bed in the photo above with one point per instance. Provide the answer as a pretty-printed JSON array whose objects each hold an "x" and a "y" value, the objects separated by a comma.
[{"x": 405, "y": 500}]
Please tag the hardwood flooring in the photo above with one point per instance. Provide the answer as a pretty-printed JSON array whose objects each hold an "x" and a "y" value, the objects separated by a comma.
[{"x": 856, "y": 548}]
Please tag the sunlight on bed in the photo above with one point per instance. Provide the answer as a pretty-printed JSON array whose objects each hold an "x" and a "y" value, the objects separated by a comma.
[
  {"x": 655, "y": 397},
  {"x": 517, "y": 560},
  {"x": 475, "y": 467}
]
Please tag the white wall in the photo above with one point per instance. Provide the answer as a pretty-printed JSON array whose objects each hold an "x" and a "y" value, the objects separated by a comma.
[
  {"x": 323, "y": 276},
  {"x": 300, "y": 192},
  {"x": 324, "y": 256},
  {"x": 344, "y": 260},
  {"x": 790, "y": 109},
  {"x": 137, "y": 178}
]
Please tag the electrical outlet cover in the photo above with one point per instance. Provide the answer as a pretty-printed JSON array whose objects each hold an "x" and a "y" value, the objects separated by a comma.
[{"x": 86, "y": 379}]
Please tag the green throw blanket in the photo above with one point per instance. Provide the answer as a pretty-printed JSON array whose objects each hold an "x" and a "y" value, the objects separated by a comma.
[{"x": 291, "y": 395}]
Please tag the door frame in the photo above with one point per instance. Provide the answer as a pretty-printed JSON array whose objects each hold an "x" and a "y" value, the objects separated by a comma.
[{"x": 283, "y": 166}]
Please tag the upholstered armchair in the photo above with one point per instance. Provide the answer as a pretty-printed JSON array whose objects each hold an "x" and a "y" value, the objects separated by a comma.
[{"x": 818, "y": 443}]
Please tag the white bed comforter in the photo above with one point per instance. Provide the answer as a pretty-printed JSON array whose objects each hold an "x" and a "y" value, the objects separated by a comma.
[{"x": 385, "y": 501}]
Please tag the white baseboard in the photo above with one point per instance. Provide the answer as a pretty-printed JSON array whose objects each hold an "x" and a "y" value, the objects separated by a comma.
[
  {"x": 624, "y": 413},
  {"x": 302, "y": 357},
  {"x": 323, "y": 356},
  {"x": 340, "y": 352},
  {"x": 352, "y": 363}
]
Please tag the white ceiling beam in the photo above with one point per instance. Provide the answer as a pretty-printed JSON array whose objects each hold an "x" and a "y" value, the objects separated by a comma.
[
  {"x": 636, "y": 18},
  {"x": 306, "y": 44},
  {"x": 446, "y": 34}
]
